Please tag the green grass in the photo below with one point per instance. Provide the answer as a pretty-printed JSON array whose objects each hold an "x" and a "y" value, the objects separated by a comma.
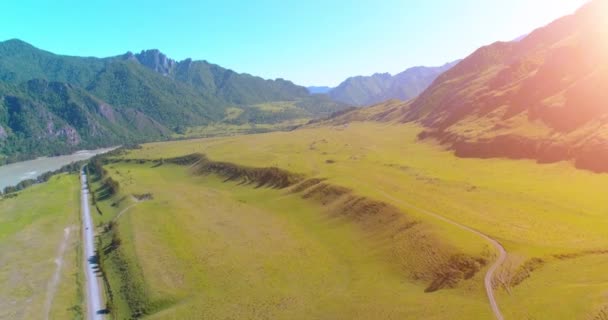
[
  {"x": 581, "y": 282},
  {"x": 31, "y": 231},
  {"x": 232, "y": 113},
  {"x": 205, "y": 248},
  {"x": 535, "y": 211},
  {"x": 224, "y": 129},
  {"x": 279, "y": 106}
]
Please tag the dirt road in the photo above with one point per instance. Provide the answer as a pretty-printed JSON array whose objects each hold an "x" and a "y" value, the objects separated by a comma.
[{"x": 502, "y": 253}]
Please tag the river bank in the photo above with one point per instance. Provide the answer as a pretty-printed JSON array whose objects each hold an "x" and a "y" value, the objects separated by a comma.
[{"x": 12, "y": 174}]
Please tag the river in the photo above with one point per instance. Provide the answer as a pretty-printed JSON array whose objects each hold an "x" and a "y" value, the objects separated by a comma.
[{"x": 13, "y": 173}]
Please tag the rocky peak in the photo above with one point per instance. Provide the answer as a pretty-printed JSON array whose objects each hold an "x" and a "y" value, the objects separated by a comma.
[
  {"x": 383, "y": 76},
  {"x": 129, "y": 56},
  {"x": 156, "y": 60}
]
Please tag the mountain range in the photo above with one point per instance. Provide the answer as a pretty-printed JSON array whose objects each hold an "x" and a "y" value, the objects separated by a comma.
[
  {"x": 53, "y": 104},
  {"x": 542, "y": 97},
  {"x": 367, "y": 90}
]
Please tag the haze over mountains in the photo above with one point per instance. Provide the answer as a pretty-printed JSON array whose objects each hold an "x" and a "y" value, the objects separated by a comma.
[
  {"x": 543, "y": 97},
  {"x": 55, "y": 104},
  {"x": 366, "y": 90},
  {"x": 319, "y": 89}
]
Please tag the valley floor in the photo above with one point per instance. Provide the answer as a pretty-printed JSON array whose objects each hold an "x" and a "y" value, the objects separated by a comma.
[
  {"x": 40, "y": 255},
  {"x": 550, "y": 218},
  {"x": 202, "y": 247}
]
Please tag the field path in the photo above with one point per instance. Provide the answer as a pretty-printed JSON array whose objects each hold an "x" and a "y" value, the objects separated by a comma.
[
  {"x": 52, "y": 286},
  {"x": 502, "y": 253},
  {"x": 94, "y": 311},
  {"x": 125, "y": 210}
]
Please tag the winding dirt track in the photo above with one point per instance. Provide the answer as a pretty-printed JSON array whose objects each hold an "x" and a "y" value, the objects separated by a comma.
[
  {"x": 54, "y": 282},
  {"x": 502, "y": 253}
]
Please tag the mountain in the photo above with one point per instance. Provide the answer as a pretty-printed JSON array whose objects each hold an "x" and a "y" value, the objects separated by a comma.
[
  {"x": 520, "y": 38},
  {"x": 319, "y": 90},
  {"x": 367, "y": 90},
  {"x": 55, "y": 104},
  {"x": 54, "y": 117},
  {"x": 543, "y": 97},
  {"x": 155, "y": 60}
]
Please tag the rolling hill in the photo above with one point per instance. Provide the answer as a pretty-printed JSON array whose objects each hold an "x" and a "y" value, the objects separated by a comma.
[{"x": 53, "y": 104}]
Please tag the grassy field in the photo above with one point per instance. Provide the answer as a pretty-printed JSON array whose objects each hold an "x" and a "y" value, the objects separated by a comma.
[
  {"x": 271, "y": 116},
  {"x": 202, "y": 247},
  {"x": 223, "y": 129},
  {"x": 580, "y": 282},
  {"x": 538, "y": 212},
  {"x": 38, "y": 228},
  {"x": 280, "y": 106}
]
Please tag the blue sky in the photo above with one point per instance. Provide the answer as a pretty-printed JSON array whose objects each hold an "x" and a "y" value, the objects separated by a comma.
[{"x": 310, "y": 42}]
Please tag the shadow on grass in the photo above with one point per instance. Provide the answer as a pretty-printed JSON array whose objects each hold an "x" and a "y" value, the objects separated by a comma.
[
  {"x": 109, "y": 249},
  {"x": 103, "y": 193}
]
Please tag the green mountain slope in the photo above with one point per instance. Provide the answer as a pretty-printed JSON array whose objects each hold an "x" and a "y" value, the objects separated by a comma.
[
  {"x": 54, "y": 104},
  {"x": 128, "y": 84},
  {"x": 20, "y": 61},
  {"x": 43, "y": 118},
  {"x": 234, "y": 87},
  {"x": 216, "y": 81}
]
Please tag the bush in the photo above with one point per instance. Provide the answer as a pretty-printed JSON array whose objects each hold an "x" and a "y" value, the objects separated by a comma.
[{"x": 112, "y": 186}]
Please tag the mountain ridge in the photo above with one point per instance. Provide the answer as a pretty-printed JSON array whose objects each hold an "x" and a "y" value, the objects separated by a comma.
[
  {"x": 368, "y": 90},
  {"x": 128, "y": 98},
  {"x": 540, "y": 98}
]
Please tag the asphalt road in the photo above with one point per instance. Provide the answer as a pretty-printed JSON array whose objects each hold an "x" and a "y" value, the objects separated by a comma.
[{"x": 94, "y": 305}]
